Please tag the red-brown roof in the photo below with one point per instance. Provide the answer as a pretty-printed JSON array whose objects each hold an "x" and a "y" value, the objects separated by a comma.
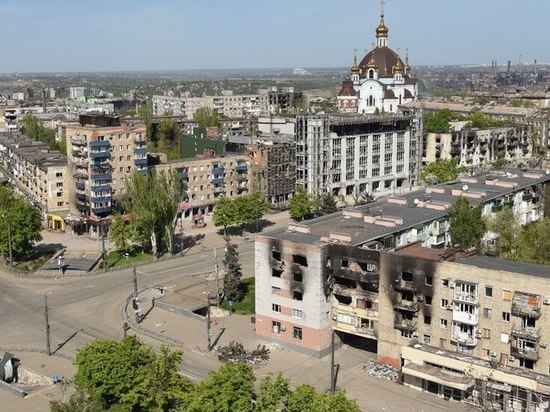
[
  {"x": 384, "y": 57},
  {"x": 347, "y": 89},
  {"x": 408, "y": 94},
  {"x": 389, "y": 94}
]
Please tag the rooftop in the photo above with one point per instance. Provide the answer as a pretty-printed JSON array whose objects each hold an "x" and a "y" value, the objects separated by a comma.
[
  {"x": 487, "y": 262},
  {"x": 32, "y": 151}
]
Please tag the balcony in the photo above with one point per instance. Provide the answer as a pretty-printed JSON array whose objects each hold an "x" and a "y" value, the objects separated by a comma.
[
  {"x": 184, "y": 174},
  {"x": 371, "y": 333},
  {"x": 367, "y": 295},
  {"x": 466, "y": 297},
  {"x": 80, "y": 186},
  {"x": 82, "y": 206},
  {"x": 140, "y": 150},
  {"x": 81, "y": 196},
  {"x": 217, "y": 170},
  {"x": 401, "y": 284},
  {"x": 465, "y": 317},
  {"x": 78, "y": 141},
  {"x": 404, "y": 324},
  {"x": 525, "y": 332},
  {"x": 277, "y": 264},
  {"x": 217, "y": 181},
  {"x": 101, "y": 210},
  {"x": 100, "y": 143},
  {"x": 341, "y": 290},
  {"x": 525, "y": 353},
  {"x": 241, "y": 167},
  {"x": 140, "y": 161},
  {"x": 101, "y": 176},
  {"x": 218, "y": 189},
  {"x": 241, "y": 177},
  {"x": 100, "y": 198},
  {"x": 407, "y": 306},
  {"x": 100, "y": 155},
  {"x": 528, "y": 305},
  {"x": 527, "y": 197},
  {"x": 101, "y": 188},
  {"x": 139, "y": 139},
  {"x": 463, "y": 338}
]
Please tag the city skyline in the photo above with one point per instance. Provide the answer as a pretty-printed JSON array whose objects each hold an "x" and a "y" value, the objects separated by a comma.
[{"x": 59, "y": 36}]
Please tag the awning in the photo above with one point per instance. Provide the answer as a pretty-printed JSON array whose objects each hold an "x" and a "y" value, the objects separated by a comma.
[{"x": 437, "y": 375}]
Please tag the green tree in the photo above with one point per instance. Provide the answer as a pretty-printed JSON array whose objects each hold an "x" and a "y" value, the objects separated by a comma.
[
  {"x": 438, "y": 122},
  {"x": 257, "y": 207},
  {"x": 146, "y": 114},
  {"x": 120, "y": 233},
  {"x": 155, "y": 214},
  {"x": 334, "y": 402},
  {"x": 300, "y": 204},
  {"x": 19, "y": 221},
  {"x": 32, "y": 128},
  {"x": 229, "y": 389},
  {"x": 233, "y": 274},
  {"x": 505, "y": 225},
  {"x": 441, "y": 171},
  {"x": 533, "y": 243},
  {"x": 206, "y": 117},
  {"x": 273, "y": 394},
  {"x": 301, "y": 399},
  {"x": 79, "y": 400},
  {"x": 327, "y": 204},
  {"x": 500, "y": 163},
  {"x": 467, "y": 225},
  {"x": 224, "y": 214},
  {"x": 130, "y": 374}
]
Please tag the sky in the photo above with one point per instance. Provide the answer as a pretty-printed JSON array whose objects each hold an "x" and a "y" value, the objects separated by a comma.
[{"x": 115, "y": 35}]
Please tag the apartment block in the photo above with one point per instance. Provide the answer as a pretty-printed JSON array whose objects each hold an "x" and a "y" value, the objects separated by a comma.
[
  {"x": 349, "y": 155},
  {"x": 478, "y": 147},
  {"x": 102, "y": 153},
  {"x": 208, "y": 178},
  {"x": 38, "y": 173}
]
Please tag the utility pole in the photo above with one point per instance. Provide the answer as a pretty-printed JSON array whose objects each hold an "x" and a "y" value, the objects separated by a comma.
[
  {"x": 332, "y": 377},
  {"x": 216, "y": 270},
  {"x": 47, "y": 326},
  {"x": 135, "y": 302},
  {"x": 208, "y": 329},
  {"x": 103, "y": 251},
  {"x": 9, "y": 245}
]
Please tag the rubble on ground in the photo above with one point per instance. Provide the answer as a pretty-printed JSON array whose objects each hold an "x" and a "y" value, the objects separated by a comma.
[
  {"x": 379, "y": 370},
  {"x": 275, "y": 347}
]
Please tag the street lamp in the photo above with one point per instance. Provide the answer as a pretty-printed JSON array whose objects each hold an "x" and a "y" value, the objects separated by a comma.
[{"x": 9, "y": 241}]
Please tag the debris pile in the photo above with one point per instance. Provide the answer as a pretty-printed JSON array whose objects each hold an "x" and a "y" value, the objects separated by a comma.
[
  {"x": 275, "y": 347},
  {"x": 236, "y": 352},
  {"x": 379, "y": 370}
]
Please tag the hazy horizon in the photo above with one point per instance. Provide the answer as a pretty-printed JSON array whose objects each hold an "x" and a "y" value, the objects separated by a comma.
[{"x": 59, "y": 36}]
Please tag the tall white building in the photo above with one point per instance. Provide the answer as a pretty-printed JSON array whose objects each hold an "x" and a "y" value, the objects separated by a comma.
[
  {"x": 350, "y": 155},
  {"x": 380, "y": 82}
]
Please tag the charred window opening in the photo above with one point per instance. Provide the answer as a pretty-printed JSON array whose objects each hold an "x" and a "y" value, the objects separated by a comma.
[
  {"x": 344, "y": 282},
  {"x": 406, "y": 315},
  {"x": 345, "y": 264},
  {"x": 427, "y": 319},
  {"x": 368, "y": 286},
  {"x": 345, "y": 300},
  {"x": 276, "y": 273},
  {"x": 275, "y": 254},
  {"x": 369, "y": 304},
  {"x": 429, "y": 281},
  {"x": 407, "y": 276},
  {"x": 299, "y": 259},
  {"x": 297, "y": 295},
  {"x": 407, "y": 295},
  {"x": 428, "y": 299},
  {"x": 298, "y": 277}
]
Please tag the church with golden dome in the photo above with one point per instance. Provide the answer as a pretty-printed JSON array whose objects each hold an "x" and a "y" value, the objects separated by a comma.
[{"x": 380, "y": 82}]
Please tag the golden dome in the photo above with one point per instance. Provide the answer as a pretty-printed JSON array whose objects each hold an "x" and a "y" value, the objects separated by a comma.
[
  {"x": 398, "y": 68},
  {"x": 355, "y": 67},
  {"x": 382, "y": 30}
]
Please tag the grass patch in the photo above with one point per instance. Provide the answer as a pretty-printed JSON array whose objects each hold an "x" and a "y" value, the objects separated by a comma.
[
  {"x": 247, "y": 306},
  {"x": 117, "y": 258},
  {"x": 34, "y": 263}
]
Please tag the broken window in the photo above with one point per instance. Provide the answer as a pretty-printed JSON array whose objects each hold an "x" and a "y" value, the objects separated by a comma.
[
  {"x": 276, "y": 273},
  {"x": 297, "y": 333},
  {"x": 297, "y": 295},
  {"x": 345, "y": 300},
  {"x": 407, "y": 276},
  {"x": 275, "y": 254},
  {"x": 298, "y": 277},
  {"x": 299, "y": 259}
]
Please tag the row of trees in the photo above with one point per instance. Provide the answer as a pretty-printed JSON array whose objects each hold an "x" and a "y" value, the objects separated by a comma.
[
  {"x": 152, "y": 204},
  {"x": 529, "y": 244},
  {"x": 439, "y": 122},
  {"x": 129, "y": 376},
  {"x": 20, "y": 224},
  {"x": 239, "y": 211},
  {"x": 302, "y": 205},
  {"x": 32, "y": 128}
]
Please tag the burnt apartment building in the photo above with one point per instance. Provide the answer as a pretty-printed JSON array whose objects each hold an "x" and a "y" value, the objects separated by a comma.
[{"x": 356, "y": 273}]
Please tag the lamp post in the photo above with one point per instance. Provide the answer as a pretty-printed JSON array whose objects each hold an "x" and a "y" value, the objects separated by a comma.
[{"x": 9, "y": 241}]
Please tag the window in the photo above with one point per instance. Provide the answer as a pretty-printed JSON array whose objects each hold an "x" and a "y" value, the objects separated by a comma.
[
  {"x": 299, "y": 259},
  {"x": 442, "y": 342},
  {"x": 275, "y": 290},
  {"x": 276, "y": 273},
  {"x": 297, "y": 277},
  {"x": 406, "y": 334},
  {"x": 506, "y": 316},
  {"x": 443, "y": 323},
  {"x": 297, "y": 313},
  {"x": 428, "y": 299},
  {"x": 297, "y": 295},
  {"x": 426, "y": 339},
  {"x": 59, "y": 204},
  {"x": 59, "y": 194},
  {"x": 407, "y": 276},
  {"x": 59, "y": 184},
  {"x": 429, "y": 280},
  {"x": 485, "y": 353},
  {"x": 506, "y": 295},
  {"x": 59, "y": 174},
  {"x": 489, "y": 291},
  {"x": 427, "y": 319},
  {"x": 276, "y": 308},
  {"x": 445, "y": 283},
  {"x": 276, "y": 327},
  {"x": 487, "y": 313},
  {"x": 297, "y": 333},
  {"x": 486, "y": 333},
  {"x": 444, "y": 303}
]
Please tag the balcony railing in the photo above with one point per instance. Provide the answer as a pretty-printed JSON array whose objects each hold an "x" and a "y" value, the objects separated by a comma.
[
  {"x": 101, "y": 176},
  {"x": 401, "y": 284},
  {"x": 366, "y": 332},
  {"x": 217, "y": 180},
  {"x": 140, "y": 161},
  {"x": 140, "y": 150},
  {"x": 100, "y": 143},
  {"x": 341, "y": 290},
  {"x": 99, "y": 155},
  {"x": 526, "y": 310},
  {"x": 524, "y": 353},
  {"x": 464, "y": 338},
  {"x": 101, "y": 210},
  {"x": 217, "y": 170},
  {"x": 241, "y": 167},
  {"x": 526, "y": 332},
  {"x": 406, "y": 305},
  {"x": 466, "y": 297},
  {"x": 465, "y": 317},
  {"x": 404, "y": 324}
]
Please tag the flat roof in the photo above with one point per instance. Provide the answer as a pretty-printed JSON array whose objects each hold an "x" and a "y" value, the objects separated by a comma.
[{"x": 487, "y": 262}]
